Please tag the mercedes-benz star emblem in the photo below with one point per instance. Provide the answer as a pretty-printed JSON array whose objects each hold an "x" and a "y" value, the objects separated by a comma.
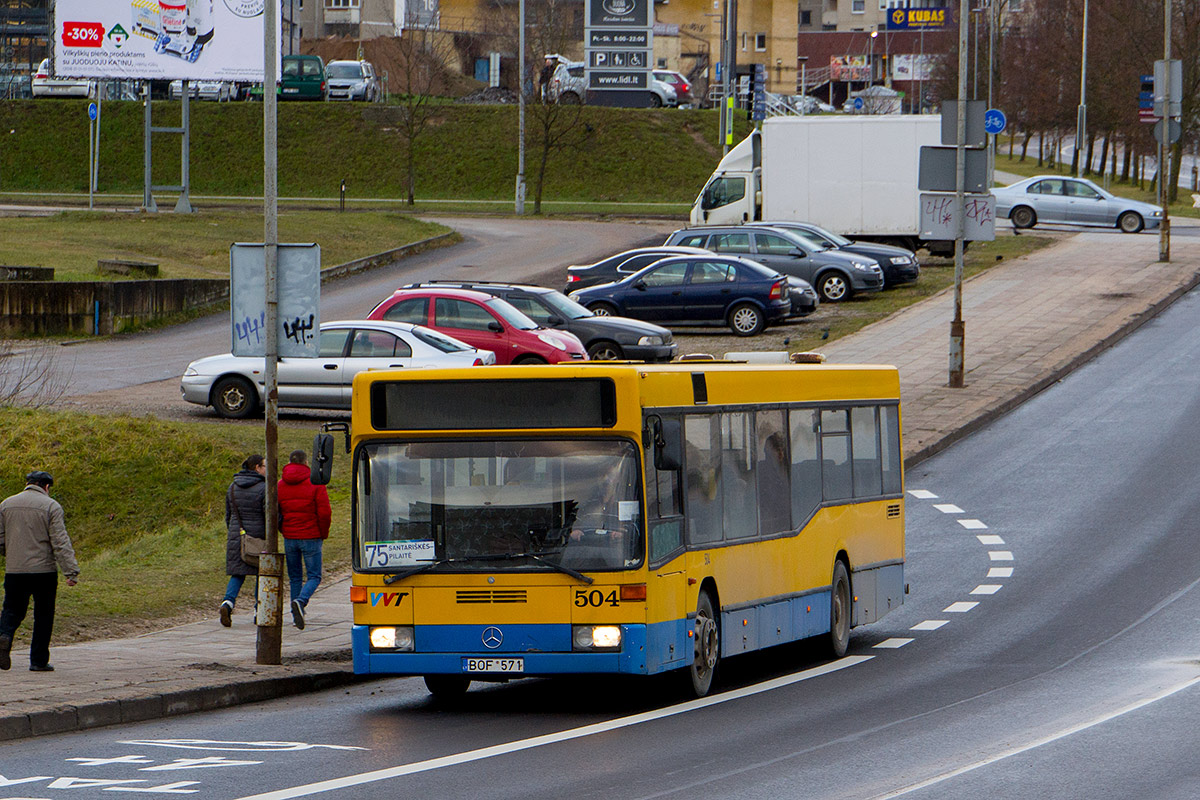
[{"x": 492, "y": 637}]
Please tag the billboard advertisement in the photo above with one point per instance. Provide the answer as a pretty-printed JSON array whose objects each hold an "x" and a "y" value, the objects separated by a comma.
[
  {"x": 849, "y": 68},
  {"x": 910, "y": 67},
  {"x": 161, "y": 39}
]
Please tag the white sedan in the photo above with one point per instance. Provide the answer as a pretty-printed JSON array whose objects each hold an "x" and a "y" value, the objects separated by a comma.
[{"x": 235, "y": 385}]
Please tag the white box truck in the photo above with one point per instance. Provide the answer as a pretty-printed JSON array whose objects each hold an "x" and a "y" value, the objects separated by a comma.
[{"x": 855, "y": 175}]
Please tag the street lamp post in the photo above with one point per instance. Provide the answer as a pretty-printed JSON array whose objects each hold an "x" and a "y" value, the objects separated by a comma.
[
  {"x": 1081, "y": 124},
  {"x": 871, "y": 58}
]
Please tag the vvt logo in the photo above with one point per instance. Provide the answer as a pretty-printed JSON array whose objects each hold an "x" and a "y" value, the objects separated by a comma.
[{"x": 387, "y": 598}]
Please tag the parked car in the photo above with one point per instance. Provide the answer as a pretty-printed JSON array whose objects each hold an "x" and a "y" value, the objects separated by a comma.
[
  {"x": 606, "y": 338},
  {"x": 614, "y": 268},
  {"x": 43, "y": 84},
  {"x": 568, "y": 85},
  {"x": 205, "y": 90},
  {"x": 836, "y": 276},
  {"x": 899, "y": 265},
  {"x": 803, "y": 296},
  {"x": 484, "y": 321},
  {"x": 679, "y": 84},
  {"x": 1074, "y": 201},
  {"x": 662, "y": 93},
  {"x": 235, "y": 385},
  {"x": 697, "y": 290},
  {"x": 303, "y": 78},
  {"x": 352, "y": 80}
]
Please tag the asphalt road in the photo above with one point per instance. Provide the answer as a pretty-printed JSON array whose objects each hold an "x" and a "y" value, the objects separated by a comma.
[
  {"x": 491, "y": 249},
  {"x": 1048, "y": 649}
]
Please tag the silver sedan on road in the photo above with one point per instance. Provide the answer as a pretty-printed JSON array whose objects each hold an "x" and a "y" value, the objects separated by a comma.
[
  {"x": 235, "y": 385},
  {"x": 1074, "y": 201}
]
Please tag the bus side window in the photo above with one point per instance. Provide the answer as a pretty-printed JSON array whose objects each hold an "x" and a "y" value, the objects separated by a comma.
[
  {"x": 739, "y": 479},
  {"x": 864, "y": 438},
  {"x": 664, "y": 509},
  {"x": 836, "y": 479},
  {"x": 889, "y": 441},
  {"x": 774, "y": 495},
  {"x": 806, "y": 464},
  {"x": 703, "y": 463}
]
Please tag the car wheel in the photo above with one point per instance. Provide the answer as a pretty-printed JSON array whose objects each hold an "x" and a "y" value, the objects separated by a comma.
[
  {"x": 234, "y": 398},
  {"x": 605, "y": 351},
  {"x": 569, "y": 99},
  {"x": 528, "y": 359},
  {"x": 603, "y": 309},
  {"x": 745, "y": 320},
  {"x": 1130, "y": 222},
  {"x": 833, "y": 287},
  {"x": 707, "y": 648},
  {"x": 1023, "y": 217},
  {"x": 655, "y": 101},
  {"x": 839, "y": 611}
]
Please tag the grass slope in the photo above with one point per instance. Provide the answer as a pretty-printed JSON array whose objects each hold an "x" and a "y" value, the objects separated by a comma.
[
  {"x": 468, "y": 152},
  {"x": 144, "y": 502}
]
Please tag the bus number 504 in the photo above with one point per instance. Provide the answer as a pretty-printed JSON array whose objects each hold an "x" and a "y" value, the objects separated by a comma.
[{"x": 595, "y": 597}]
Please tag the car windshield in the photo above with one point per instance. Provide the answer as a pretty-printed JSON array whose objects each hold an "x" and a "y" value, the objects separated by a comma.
[
  {"x": 498, "y": 505},
  {"x": 820, "y": 233},
  {"x": 439, "y": 340},
  {"x": 344, "y": 71},
  {"x": 809, "y": 240},
  {"x": 564, "y": 306},
  {"x": 509, "y": 313}
]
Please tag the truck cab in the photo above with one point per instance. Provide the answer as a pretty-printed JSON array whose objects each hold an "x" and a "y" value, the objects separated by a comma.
[{"x": 733, "y": 194}]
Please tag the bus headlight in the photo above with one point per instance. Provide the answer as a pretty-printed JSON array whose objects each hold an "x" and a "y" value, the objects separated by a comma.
[
  {"x": 392, "y": 638},
  {"x": 596, "y": 637}
]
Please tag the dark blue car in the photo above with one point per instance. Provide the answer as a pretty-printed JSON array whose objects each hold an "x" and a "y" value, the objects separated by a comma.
[{"x": 696, "y": 290}]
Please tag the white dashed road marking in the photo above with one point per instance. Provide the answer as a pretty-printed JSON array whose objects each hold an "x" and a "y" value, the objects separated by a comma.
[
  {"x": 960, "y": 607},
  {"x": 986, "y": 588},
  {"x": 929, "y": 625},
  {"x": 1000, "y": 572},
  {"x": 1000, "y": 555},
  {"x": 892, "y": 644},
  {"x": 972, "y": 524},
  {"x": 948, "y": 508},
  {"x": 922, "y": 494},
  {"x": 989, "y": 539}
]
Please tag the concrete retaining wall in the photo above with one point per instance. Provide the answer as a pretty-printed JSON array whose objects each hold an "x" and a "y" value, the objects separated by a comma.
[{"x": 39, "y": 307}]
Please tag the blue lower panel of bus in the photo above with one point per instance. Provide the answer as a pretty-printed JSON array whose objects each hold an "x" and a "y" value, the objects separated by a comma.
[{"x": 543, "y": 650}]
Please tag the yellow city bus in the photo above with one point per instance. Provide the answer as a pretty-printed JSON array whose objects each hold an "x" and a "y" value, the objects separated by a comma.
[{"x": 619, "y": 517}]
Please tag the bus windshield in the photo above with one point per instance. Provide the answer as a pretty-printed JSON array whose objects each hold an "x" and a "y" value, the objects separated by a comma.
[{"x": 463, "y": 506}]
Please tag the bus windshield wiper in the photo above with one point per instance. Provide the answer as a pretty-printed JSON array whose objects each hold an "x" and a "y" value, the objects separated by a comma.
[
  {"x": 399, "y": 576},
  {"x": 538, "y": 557}
]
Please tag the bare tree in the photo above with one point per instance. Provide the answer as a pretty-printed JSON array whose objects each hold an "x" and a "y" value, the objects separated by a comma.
[
  {"x": 424, "y": 53},
  {"x": 31, "y": 375},
  {"x": 551, "y": 27}
]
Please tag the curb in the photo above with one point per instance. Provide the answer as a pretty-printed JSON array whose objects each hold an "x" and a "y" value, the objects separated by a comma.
[
  {"x": 387, "y": 256},
  {"x": 169, "y": 704},
  {"x": 1054, "y": 376}
]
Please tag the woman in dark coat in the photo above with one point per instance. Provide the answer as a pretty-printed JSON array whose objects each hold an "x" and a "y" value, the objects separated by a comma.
[{"x": 245, "y": 510}]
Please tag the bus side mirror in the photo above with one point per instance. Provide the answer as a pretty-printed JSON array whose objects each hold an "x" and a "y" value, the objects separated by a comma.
[
  {"x": 668, "y": 445},
  {"x": 322, "y": 463}
]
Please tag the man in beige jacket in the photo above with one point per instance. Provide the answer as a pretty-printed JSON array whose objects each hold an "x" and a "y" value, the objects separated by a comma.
[{"x": 35, "y": 544}]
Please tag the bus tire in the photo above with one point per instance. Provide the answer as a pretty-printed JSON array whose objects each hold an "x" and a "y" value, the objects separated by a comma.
[
  {"x": 447, "y": 687},
  {"x": 839, "y": 611},
  {"x": 707, "y": 649}
]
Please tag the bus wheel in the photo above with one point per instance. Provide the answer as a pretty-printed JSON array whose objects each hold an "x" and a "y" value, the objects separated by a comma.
[
  {"x": 447, "y": 687},
  {"x": 708, "y": 646},
  {"x": 839, "y": 611}
]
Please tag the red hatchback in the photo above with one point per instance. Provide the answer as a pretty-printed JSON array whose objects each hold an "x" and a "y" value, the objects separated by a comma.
[{"x": 482, "y": 321}]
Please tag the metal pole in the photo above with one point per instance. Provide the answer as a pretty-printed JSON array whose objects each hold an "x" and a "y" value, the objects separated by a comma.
[
  {"x": 520, "y": 200},
  {"x": 957, "y": 326},
  {"x": 184, "y": 204},
  {"x": 1081, "y": 122},
  {"x": 269, "y": 617},
  {"x": 148, "y": 203},
  {"x": 1164, "y": 148},
  {"x": 991, "y": 152},
  {"x": 729, "y": 78},
  {"x": 91, "y": 161},
  {"x": 975, "y": 54},
  {"x": 96, "y": 162}
]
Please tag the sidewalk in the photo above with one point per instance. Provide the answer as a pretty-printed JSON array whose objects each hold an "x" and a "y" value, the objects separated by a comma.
[{"x": 1028, "y": 323}]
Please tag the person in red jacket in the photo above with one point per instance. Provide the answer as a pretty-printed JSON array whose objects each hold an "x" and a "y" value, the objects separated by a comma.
[{"x": 304, "y": 517}]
